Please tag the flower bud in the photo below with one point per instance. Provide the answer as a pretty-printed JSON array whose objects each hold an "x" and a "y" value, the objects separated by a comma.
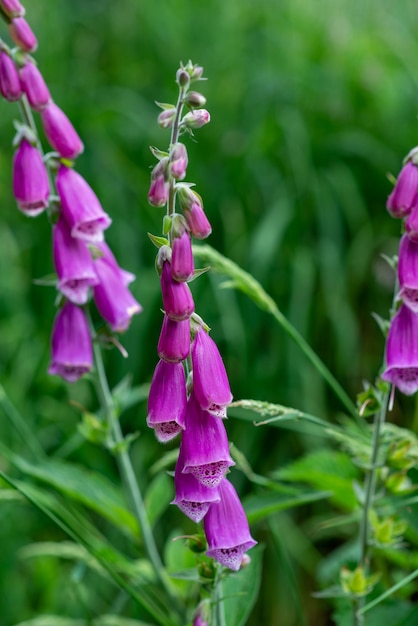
[
  {"x": 174, "y": 341},
  {"x": 191, "y": 205},
  {"x": 182, "y": 77},
  {"x": 160, "y": 187},
  {"x": 177, "y": 298},
  {"x": 195, "y": 72},
  {"x": 12, "y": 8},
  {"x": 195, "y": 99},
  {"x": 10, "y": 87},
  {"x": 182, "y": 264},
  {"x": 178, "y": 161},
  {"x": 60, "y": 132},
  {"x": 22, "y": 34},
  {"x": 403, "y": 196},
  {"x": 196, "y": 119},
  {"x": 30, "y": 180},
  {"x": 34, "y": 86},
  {"x": 167, "y": 117}
]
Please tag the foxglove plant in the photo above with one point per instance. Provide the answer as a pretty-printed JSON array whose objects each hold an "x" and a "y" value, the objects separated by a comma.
[{"x": 201, "y": 490}]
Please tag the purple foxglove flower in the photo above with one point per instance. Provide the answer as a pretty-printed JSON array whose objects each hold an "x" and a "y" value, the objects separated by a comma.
[
  {"x": 174, "y": 341},
  {"x": 80, "y": 206},
  {"x": 73, "y": 264},
  {"x": 408, "y": 273},
  {"x": 22, "y": 34},
  {"x": 226, "y": 528},
  {"x": 191, "y": 205},
  {"x": 402, "y": 351},
  {"x": 12, "y": 8},
  {"x": 160, "y": 185},
  {"x": 113, "y": 299},
  {"x": 34, "y": 86},
  {"x": 10, "y": 87},
  {"x": 178, "y": 161},
  {"x": 182, "y": 264},
  {"x": 72, "y": 353},
  {"x": 158, "y": 191},
  {"x": 196, "y": 118},
  {"x": 30, "y": 180},
  {"x": 210, "y": 380},
  {"x": 60, "y": 133},
  {"x": 404, "y": 193},
  {"x": 167, "y": 401},
  {"x": 205, "y": 445},
  {"x": 193, "y": 498},
  {"x": 177, "y": 297}
]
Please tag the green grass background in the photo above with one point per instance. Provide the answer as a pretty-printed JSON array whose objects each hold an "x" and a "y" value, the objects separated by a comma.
[{"x": 312, "y": 104}]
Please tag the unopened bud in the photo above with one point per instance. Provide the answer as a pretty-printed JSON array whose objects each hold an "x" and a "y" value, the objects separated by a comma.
[
  {"x": 12, "y": 8},
  {"x": 22, "y": 34},
  {"x": 196, "y": 119},
  {"x": 178, "y": 161},
  {"x": 167, "y": 117},
  {"x": 195, "y": 99},
  {"x": 182, "y": 77},
  {"x": 196, "y": 72}
]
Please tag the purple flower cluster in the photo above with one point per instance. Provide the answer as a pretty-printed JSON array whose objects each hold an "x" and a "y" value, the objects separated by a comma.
[
  {"x": 82, "y": 260},
  {"x": 193, "y": 406},
  {"x": 402, "y": 342}
]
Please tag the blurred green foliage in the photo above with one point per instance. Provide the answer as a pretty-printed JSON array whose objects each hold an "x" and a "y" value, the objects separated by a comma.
[{"x": 312, "y": 104}]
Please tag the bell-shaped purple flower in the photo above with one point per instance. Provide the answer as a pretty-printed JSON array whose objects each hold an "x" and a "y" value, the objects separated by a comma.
[
  {"x": 205, "y": 445},
  {"x": 22, "y": 34},
  {"x": 34, "y": 86},
  {"x": 10, "y": 87},
  {"x": 30, "y": 179},
  {"x": 182, "y": 264},
  {"x": 167, "y": 401},
  {"x": 71, "y": 353},
  {"x": 174, "y": 341},
  {"x": 60, "y": 133},
  {"x": 210, "y": 380},
  {"x": 12, "y": 8},
  {"x": 104, "y": 251},
  {"x": 411, "y": 223},
  {"x": 73, "y": 264},
  {"x": 177, "y": 297},
  {"x": 226, "y": 528},
  {"x": 408, "y": 273},
  {"x": 404, "y": 193},
  {"x": 113, "y": 299},
  {"x": 402, "y": 351},
  {"x": 80, "y": 206},
  {"x": 193, "y": 498}
]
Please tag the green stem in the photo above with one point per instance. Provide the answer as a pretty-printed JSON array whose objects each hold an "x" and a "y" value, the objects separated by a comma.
[
  {"x": 127, "y": 471},
  {"x": 369, "y": 494},
  {"x": 218, "y": 605},
  {"x": 175, "y": 131}
]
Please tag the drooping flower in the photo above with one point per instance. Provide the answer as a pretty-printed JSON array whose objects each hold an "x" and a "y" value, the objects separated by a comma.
[
  {"x": 34, "y": 86},
  {"x": 80, "y": 206},
  {"x": 205, "y": 445},
  {"x": 210, "y": 380},
  {"x": 113, "y": 299},
  {"x": 193, "y": 498},
  {"x": 226, "y": 528},
  {"x": 167, "y": 400},
  {"x": 403, "y": 196},
  {"x": 174, "y": 341},
  {"x": 30, "y": 179},
  {"x": 60, "y": 133},
  {"x": 104, "y": 251},
  {"x": 191, "y": 205},
  {"x": 10, "y": 87},
  {"x": 402, "y": 351},
  {"x": 71, "y": 351},
  {"x": 177, "y": 298},
  {"x": 182, "y": 264},
  {"x": 22, "y": 34},
  {"x": 73, "y": 264},
  {"x": 408, "y": 273}
]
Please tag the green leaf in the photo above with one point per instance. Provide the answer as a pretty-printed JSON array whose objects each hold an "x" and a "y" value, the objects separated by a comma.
[
  {"x": 259, "y": 507},
  {"x": 103, "y": 620},
  {"x": 158, "y": 241},
  {"x": 240, "y": 590},
  {"x": 325, "y": 469}
]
